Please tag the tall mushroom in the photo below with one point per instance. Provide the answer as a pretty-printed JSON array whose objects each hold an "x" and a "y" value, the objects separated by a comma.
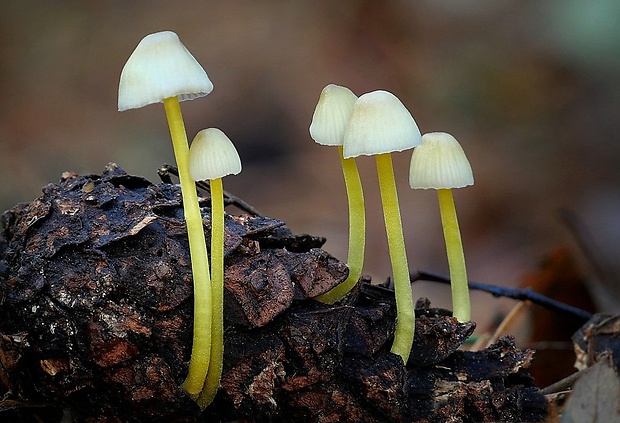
[
  {"x": 329, "y": 122},
  {"x": 440, "y": 163},
  {"x": 161, "y": 69},
  {"x": 211, "y": 157},
  {"x": 379, "y": 125}
]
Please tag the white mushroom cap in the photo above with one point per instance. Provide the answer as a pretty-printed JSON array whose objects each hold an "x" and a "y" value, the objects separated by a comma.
[
  {"x": 161, "y": 67},
  {"x": 212, "y": 155},
  {"x": 332, "y": 114},
  {"x": 379, "y": 124},
  {"x": 439, "y": 163}
]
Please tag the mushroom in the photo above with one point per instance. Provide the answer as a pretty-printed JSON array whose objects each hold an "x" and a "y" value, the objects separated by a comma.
[
  {"x": 161, "y": 69},
  {"x": 440, "y": 163},
  {"x": 379, "y": 125},
  {"x": 329, "y": 122},
  {"x": 211, "y": 157}
]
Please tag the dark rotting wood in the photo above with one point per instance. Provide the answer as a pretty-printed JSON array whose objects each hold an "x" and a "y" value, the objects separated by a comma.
[{"x": 96, "y": 323}]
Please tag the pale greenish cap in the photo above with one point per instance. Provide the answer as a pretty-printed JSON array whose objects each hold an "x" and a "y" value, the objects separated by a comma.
[
  {"x": 332, "y": 114},
  {"x": 379, "y": 124},
  {"x": 212, "y": 155},
  {"x": 161, "y": 67},
  {"x": 439, "y": 163}
]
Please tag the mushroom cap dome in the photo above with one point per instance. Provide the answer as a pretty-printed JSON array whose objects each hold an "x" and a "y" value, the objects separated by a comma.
[
  {"x": 161, "y": 67},
  {"x": 212, "y": 155},
  {"x": 332, "y": 114},
  {"x": 379, "y": 124},
  {"x": 439, "y": 163}
]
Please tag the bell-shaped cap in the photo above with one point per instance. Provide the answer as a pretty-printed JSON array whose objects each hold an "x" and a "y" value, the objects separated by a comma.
[
  {"x": 161, "y": 67},
  {"x": 212, "y": 155},
  {"x": 379, "y": 124},
  {"x": 439, "y": 163},
  {"x": 332, "y": 114}
]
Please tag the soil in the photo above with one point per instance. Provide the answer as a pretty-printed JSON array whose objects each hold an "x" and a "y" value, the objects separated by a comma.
[{"x": 96, "y": 314}]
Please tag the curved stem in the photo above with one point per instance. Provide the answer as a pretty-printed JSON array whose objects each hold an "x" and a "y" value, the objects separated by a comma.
[
  {"x": 357, "y": 231},
  {"x": 461, "y": 308},
  {"x": 405, "y": 315},
  {"x": 201, "y": 346},
  {"x": 217, "y": 286}
]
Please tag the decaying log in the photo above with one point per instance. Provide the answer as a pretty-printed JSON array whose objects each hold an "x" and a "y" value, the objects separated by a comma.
[{"x": 96, "y": 323}]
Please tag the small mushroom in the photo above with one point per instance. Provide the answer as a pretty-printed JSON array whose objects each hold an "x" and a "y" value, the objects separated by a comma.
[
  {"x": 329, "y": 122},
  {"x": 161, "y": 69},
  {"x": 379, "y": 125},
  {"x": 211, "y": 157},
  {"x": 440, "y": 163}
]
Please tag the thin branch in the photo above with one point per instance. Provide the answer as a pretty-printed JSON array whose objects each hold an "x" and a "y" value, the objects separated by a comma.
[
  {"x": 566, "y": 383},
  {"x": 514, "y": 293},
  {"x": 385, "y": 292},
  {"x": 166, "y": 170}
]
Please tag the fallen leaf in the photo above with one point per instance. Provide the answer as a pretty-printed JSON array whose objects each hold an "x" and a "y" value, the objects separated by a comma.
[{"x": 595, "y": 397}]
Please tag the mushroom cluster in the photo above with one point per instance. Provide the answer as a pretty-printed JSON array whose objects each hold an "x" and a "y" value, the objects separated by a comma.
[
  {"x": 378, "y": 124},
  {"x": 375, "y": 124},
  {"x": 161, "y": 69}
]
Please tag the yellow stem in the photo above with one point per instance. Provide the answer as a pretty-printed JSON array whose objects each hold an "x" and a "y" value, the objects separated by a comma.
[
  {"x": 461, "y": 308},
  {"x": 405, "y": 313},
  {"x": 357, "y": 231},
  {"x": 201, "y": 346},
  {"x": 217, "y": 285}
]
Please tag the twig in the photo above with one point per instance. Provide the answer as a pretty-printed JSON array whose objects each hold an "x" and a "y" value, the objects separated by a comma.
[
  {"x": 503, "y": 328},
  {"x": 166, "y": 170},
  {"x": 514, "y": 293},
  {"x": 564, "y": 384},
  {"x": 386, "y": 292}
]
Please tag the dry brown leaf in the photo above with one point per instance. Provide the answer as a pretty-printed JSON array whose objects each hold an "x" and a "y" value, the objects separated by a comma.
[{"x": 595, "y": 397}]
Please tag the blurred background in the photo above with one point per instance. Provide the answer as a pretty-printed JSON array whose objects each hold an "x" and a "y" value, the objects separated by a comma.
[{"x": 531, "y": 89}]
